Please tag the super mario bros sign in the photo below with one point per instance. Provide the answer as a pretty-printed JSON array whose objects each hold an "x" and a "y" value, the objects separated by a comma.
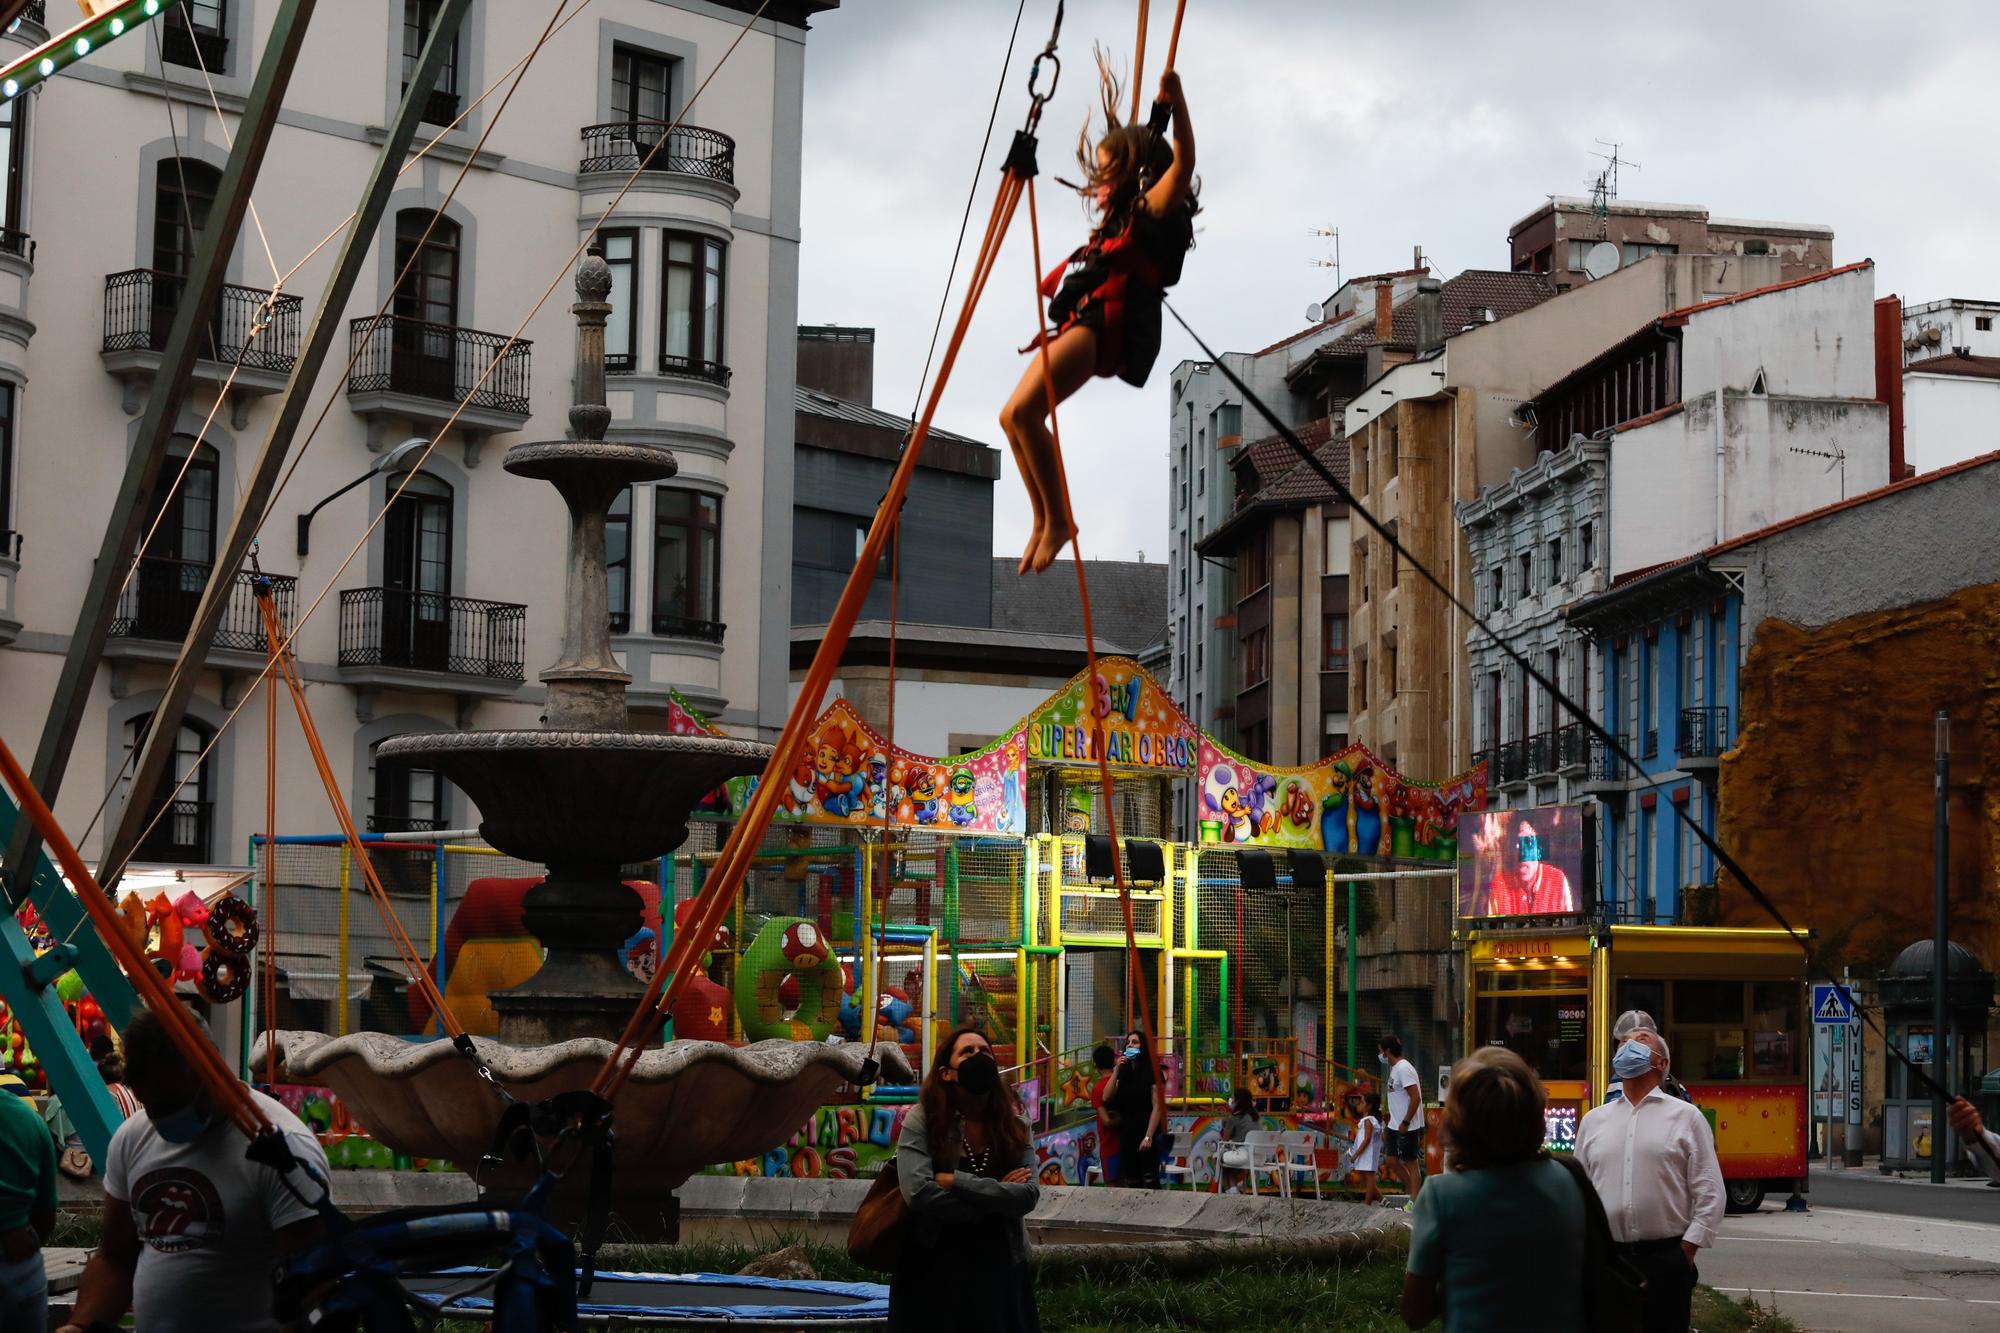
[{"x": 1141, "y": 726}]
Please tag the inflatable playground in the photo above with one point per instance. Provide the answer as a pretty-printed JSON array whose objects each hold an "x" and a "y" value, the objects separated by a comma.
[{"x": 898, "y": 896}]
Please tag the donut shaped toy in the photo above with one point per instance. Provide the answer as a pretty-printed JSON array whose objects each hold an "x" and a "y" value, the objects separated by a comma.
[
  {"x": 225, "y": 975},
  {"x": 231, "y": 925}
]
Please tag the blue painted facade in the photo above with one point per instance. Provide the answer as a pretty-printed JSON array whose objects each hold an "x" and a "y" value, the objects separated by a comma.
[{"x": 1668, "y": 651}]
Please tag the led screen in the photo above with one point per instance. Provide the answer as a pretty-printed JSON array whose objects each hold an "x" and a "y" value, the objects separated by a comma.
[{"x": 1521, "y": 862}]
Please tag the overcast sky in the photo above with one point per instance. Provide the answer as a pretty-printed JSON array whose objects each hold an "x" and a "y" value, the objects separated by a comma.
[{"x": 1435, "y": 124}]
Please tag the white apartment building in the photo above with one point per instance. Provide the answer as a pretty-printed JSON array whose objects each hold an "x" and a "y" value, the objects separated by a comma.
[{"x": 450, "y": 609}]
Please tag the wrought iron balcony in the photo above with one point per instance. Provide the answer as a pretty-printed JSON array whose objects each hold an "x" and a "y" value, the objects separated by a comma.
[
  {"x": 1513, "y": 761},
  {"x": 432, "y": 632},
  {"x": 181, "y": 832},
  {"x": 688, "y": 367},
  {"x": 687, "y": 151},
  {"x": 1704, "y": 733},
  {"x": 438, "y": 363},
  {"x": 18, "y": 243},
  {"x": 247, "y": 327},
  {"x": 1491, "y": 758},
  {"x": 183, "y": 44},
  {"x": 441, "y": 107},
  {"x": 403, "y": 824},
  {"x": 1541, "y": 753},
  {"x": 1605, "y": 765},
  {"x": 1572, "y": 746},
  {"x": 161, "y": 598},
  {"x": 687, "y": 627}
]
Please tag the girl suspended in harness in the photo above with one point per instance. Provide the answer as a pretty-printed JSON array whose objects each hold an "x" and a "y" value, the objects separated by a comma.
[{"x": 1106, "y": 311}]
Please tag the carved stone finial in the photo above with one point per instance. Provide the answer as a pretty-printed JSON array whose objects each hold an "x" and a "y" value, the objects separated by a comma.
[{"x": 593, "y": 277}]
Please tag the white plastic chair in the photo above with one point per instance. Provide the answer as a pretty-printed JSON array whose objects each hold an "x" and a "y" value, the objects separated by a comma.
[
  {"x": 1301, "y": 1148},
  {"x": 1267, "y": 1158},
  {"x": 1180, "y": 1164}
]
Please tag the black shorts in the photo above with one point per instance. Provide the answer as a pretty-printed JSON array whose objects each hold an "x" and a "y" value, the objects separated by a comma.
[{"x": 1406, "y": 1145}]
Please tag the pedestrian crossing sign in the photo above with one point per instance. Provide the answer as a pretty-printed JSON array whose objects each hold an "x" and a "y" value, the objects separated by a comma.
[{"x": 1833, "y": 1006}]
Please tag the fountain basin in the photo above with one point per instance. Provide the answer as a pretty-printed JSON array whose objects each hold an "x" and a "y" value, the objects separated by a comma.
[
  {"x": 604, "y": 798},
  {"x": 687, "y": 1105}
]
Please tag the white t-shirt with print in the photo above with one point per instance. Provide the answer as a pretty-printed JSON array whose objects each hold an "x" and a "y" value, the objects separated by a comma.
[
  {"x": 1403, "y": 1075},
  {"x": 207, "y": 1217}
]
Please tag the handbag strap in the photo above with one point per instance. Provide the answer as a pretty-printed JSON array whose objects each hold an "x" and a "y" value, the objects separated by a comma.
[{"x": 1598, "y": 1242}]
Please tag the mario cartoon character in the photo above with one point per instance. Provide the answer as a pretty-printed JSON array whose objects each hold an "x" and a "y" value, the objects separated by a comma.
[
  {"x": 924, "y": 795},
  {"x": 963, "y": 809},
  {"x": 1370, "y": 786},
  {"x": 1335, "y": 834}
]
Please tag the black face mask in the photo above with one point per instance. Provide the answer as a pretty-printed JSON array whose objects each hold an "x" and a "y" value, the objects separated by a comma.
[{"x": 979, "y": 1073}]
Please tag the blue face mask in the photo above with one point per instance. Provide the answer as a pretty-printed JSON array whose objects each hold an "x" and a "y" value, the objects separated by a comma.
[
  {"x": 1131, "y": 1052},
  {"x": 1633, "y": 1060},
  {"x": 185, "y": 1125}
]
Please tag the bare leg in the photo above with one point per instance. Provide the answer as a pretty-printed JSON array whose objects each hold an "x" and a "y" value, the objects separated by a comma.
[{"x": 1072, "y": 358}]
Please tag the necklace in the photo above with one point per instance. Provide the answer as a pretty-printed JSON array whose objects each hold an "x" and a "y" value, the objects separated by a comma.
[{"x": 979, "y": 1161}]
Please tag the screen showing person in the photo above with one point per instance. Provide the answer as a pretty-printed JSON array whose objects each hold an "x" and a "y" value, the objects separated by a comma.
[{"x": 1521, "y": 862}]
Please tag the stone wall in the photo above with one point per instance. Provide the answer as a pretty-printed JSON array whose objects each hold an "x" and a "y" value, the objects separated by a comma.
[{"x": 1827, "y": 797}]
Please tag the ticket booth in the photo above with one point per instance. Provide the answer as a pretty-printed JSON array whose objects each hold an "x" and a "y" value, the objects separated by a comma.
[
  {"x": 1907, "y": 1131},
  {"x": 1731, "y": 1004}
]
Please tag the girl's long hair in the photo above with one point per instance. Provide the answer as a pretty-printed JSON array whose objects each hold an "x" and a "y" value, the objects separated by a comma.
[
  {"x": 1137, "y": 158},
  {"x": 1006, "y": 1132}
]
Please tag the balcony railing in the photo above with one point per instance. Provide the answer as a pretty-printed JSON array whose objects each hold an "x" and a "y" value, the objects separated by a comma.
[
  {"x": 1572, "y": 746},
  {"x": 432, "y": 631},
  {"x": 1605, "y": 765},
  {"x": 17, "y": 243},
  {"x": 1704, "y": 733},
  {"x": 139, "y": 307},
  {"x": 180, "y": 832},
  {"x": 181, "y": 44},
  {"x": 441, "y": 108},
  {"x": 687, "y": 627},
  {"x": 396, "y": 354},
  {"x": 10, "y": 544},
  {"x": 1541, "y": 753},
  {"x": 688, "y": 367},
  {"x": 1513, "y": 761},
  {"x": 403, "y": 824},
  {"x": 689, "y": 150},
  {"x": 1490, "y": 758},
  {"x": 160, "y": 600}
]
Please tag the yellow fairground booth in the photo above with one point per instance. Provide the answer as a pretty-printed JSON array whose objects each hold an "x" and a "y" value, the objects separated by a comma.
[{"x": 1731, "y": 1003}]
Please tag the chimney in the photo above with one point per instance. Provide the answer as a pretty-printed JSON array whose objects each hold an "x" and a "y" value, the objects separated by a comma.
[
  {"x": 1385, "y": 310},
  {"x": 838, "y": 361},
  {"x": 1889, "y": 375},
  {"x": 1430, "y": 315}
]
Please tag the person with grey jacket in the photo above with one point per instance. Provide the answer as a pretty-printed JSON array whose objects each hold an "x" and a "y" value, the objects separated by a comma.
[{"x": 966, "y": 1165}]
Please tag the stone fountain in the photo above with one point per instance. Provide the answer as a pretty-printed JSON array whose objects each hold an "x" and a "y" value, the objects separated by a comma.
[{"x": 583, "y": 795}]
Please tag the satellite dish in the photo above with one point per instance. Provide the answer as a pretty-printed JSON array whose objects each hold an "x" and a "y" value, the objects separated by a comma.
[
  {"x": 1601, "y": 261},
  {"x": 1316, "y": 312}
]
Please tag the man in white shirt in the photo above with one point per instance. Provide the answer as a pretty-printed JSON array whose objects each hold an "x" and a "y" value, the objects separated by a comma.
[
  {"x": 192, "y": 1229},
  {"x": 1405, "y": 1114},
  {"x": 1652, "y": 1159},
  {"x": 1981, "y": 1142}
]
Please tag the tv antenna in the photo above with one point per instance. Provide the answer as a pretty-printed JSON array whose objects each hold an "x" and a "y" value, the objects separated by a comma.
[
  {"x": 1604, "y": 188},
  {"x": 1333, "y": 263}
]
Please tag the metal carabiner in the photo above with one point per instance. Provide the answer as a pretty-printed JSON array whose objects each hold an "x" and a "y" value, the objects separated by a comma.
[{"x": 1035, "y": 74}]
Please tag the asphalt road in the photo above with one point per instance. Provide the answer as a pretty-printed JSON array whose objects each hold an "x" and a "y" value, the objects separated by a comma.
[{"x": 1838, "y": 1270}]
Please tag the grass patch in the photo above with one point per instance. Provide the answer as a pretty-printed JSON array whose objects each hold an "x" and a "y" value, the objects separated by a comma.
[{"x": 1266, "y": 1296}]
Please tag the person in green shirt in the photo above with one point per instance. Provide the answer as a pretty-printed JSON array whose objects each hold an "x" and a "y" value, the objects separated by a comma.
[
  {"x": 27, "y": 1213},
  {"x": 1497, "y": 1241}
]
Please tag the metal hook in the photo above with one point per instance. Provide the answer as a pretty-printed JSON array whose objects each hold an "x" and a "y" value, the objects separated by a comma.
[{"x": 1034, "y": 76}]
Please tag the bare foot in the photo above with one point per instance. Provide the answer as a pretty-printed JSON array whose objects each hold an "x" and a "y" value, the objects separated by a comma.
[
  {"x": 1035, "y": 536},
  {"x": 1054, "y": 539}
]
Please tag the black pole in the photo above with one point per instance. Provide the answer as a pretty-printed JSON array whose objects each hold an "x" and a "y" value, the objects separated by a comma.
[{"x": 1941, "y": 837}]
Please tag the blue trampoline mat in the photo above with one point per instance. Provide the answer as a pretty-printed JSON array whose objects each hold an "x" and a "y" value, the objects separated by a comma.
[{"x": 687, "y": 1298}]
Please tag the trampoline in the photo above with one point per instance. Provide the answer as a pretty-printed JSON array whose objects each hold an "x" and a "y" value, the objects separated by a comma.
[{"x": 716, "y": 1300}]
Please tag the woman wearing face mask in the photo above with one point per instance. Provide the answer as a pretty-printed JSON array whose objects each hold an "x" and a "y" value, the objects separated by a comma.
[
  {"x": 967, "y": 1169},
  {"x": 1142, "y": 1113}
]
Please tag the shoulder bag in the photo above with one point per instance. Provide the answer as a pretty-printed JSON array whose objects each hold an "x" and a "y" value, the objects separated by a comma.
[
  {"x": 1614, "y": 1291},
  {"x": 875, "y": 1237}
]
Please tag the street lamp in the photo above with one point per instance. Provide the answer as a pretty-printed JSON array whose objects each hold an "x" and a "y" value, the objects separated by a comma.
[{"x": 386, "y": 463}]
